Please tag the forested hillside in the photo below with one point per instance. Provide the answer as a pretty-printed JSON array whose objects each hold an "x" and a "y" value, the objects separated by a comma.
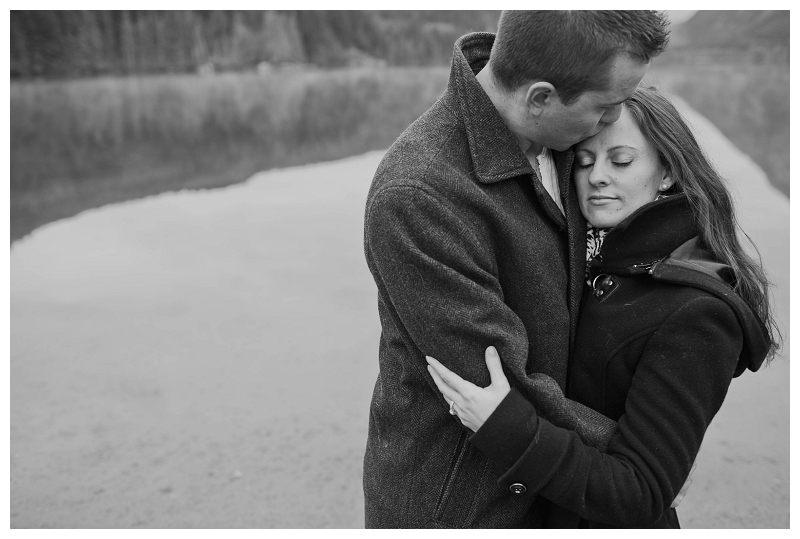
[
  {"x": 760, "y": 37},
  {"x": 84, "y": 43}
]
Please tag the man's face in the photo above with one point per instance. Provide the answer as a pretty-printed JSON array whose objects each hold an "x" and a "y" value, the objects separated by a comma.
[{"x": 562, "y": 126}]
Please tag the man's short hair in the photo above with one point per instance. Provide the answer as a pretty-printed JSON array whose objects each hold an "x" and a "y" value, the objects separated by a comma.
[{"x": 572, "y": 50}]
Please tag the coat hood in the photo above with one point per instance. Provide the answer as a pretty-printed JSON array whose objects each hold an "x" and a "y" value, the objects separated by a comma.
[
  {"x": 690, "y": 265},
  {"x": 661, "y": 239}
]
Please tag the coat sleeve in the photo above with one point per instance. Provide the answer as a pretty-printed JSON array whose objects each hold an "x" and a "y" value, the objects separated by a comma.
[
  {"x": 679, "y": 385},
  {"x": 440, "y": 279}
]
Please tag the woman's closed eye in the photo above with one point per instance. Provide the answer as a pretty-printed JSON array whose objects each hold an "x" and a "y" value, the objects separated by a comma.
[{"x": 587, "y": 164}]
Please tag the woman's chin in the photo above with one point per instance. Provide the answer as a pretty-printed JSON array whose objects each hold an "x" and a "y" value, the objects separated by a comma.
[{"x": 601, "y": 222}]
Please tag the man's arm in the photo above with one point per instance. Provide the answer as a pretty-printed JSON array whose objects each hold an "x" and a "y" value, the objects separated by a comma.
[{"x": 440, "y": 276}]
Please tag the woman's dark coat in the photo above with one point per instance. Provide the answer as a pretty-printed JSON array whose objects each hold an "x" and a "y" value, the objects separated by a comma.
[{"x": 660, "y": 337}]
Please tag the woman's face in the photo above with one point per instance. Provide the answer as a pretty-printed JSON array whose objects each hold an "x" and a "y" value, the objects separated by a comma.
[{"x": 616, "y": 172}]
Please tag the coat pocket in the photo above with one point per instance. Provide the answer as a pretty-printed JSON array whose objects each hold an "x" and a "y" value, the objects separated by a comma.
[{"x": 462, "y": 484}]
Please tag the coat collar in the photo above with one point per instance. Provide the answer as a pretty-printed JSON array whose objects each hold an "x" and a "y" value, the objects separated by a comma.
[
  {"x": 649, "y": 234},
  {"x": 495, "y": 151},
  {"x": 661, "y": 239}
]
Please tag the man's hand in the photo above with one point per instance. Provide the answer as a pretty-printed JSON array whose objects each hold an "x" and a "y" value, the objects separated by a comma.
[{"x": 471, "y": 404}]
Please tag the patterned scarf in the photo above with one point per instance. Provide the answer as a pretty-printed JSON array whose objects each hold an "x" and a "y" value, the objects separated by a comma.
[
  {"x": 594, "y": 241},
  {"x": 595, "y": 237}
]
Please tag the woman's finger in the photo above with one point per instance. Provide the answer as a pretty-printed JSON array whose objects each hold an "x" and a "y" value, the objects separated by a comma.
[
  {"x": 495, "y": 367},
  {"x": 450, "y": 378},
  {"x": 449, "y": 393}
]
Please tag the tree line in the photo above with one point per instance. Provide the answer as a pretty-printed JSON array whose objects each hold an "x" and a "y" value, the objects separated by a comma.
[{"x": 57, "y": 44}]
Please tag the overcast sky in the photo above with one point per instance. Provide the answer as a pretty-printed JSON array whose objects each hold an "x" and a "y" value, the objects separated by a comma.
[{"x": 680, "y": 15}]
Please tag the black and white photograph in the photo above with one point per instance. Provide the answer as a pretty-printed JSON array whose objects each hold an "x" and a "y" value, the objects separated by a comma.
[{"x": 319, "y": 269}]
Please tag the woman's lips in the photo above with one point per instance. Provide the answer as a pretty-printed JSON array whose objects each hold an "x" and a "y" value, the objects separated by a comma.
[{"x": 601, "y": 199}]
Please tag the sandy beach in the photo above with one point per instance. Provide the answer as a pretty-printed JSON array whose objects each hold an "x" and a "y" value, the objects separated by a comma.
[{"x": 205, "y": 360}]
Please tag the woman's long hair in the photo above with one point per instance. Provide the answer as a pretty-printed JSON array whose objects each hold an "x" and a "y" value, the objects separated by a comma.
[{"x": 709, "y": 199}]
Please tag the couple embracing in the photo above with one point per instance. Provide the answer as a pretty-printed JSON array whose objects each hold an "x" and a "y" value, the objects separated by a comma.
[{"x": 563, "y": 297}]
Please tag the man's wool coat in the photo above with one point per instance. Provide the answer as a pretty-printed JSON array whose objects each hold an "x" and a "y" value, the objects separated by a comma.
[{"x": 467, "y": 250}]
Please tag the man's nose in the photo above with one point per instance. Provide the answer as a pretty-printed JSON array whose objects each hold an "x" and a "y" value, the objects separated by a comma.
[{"x": 612, "y": 114}]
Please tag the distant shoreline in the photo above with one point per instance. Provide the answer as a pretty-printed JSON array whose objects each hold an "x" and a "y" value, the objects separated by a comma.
[{"x": 84, "y": 143}]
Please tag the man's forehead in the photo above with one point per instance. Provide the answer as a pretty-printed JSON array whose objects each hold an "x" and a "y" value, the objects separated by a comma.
[
  {"x": 626, "y": 74},
  {"x": 618, "y": 92}
]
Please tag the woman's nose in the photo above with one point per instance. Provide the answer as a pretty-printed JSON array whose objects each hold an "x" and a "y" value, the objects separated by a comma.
[{"x": 598, "y": 176}]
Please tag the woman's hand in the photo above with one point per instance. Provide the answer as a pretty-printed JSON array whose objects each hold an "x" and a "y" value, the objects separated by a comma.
[{"x": 473, "y": 405}]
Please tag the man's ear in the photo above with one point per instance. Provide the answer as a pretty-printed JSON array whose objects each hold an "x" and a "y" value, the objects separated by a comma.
[{"x": 540, "y": 94}]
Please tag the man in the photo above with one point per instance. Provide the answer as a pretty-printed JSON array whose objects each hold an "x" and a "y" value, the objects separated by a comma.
[{"x": 474, "y": 237}]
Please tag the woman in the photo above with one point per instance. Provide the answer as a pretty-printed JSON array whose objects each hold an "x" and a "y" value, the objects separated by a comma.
[{"x": 673, "y": 309}]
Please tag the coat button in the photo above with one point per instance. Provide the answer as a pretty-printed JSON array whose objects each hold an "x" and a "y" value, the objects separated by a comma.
[{"x": 518, "y": 488}]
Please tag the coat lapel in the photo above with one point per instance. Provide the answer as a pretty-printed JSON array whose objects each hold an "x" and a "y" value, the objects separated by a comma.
[{"x": 576, "y": 238}]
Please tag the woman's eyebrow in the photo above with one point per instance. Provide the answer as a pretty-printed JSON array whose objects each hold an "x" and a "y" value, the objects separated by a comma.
[{"x": 623, "y": 147}]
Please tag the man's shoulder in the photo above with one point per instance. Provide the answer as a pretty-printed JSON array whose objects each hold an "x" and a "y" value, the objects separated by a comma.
[{"x": 431, "y": 151}]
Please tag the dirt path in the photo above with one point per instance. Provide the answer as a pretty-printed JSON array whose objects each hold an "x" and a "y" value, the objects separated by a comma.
[
  {"x": 206, "y": 359},
  {"x": 742, "y": 479}
]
